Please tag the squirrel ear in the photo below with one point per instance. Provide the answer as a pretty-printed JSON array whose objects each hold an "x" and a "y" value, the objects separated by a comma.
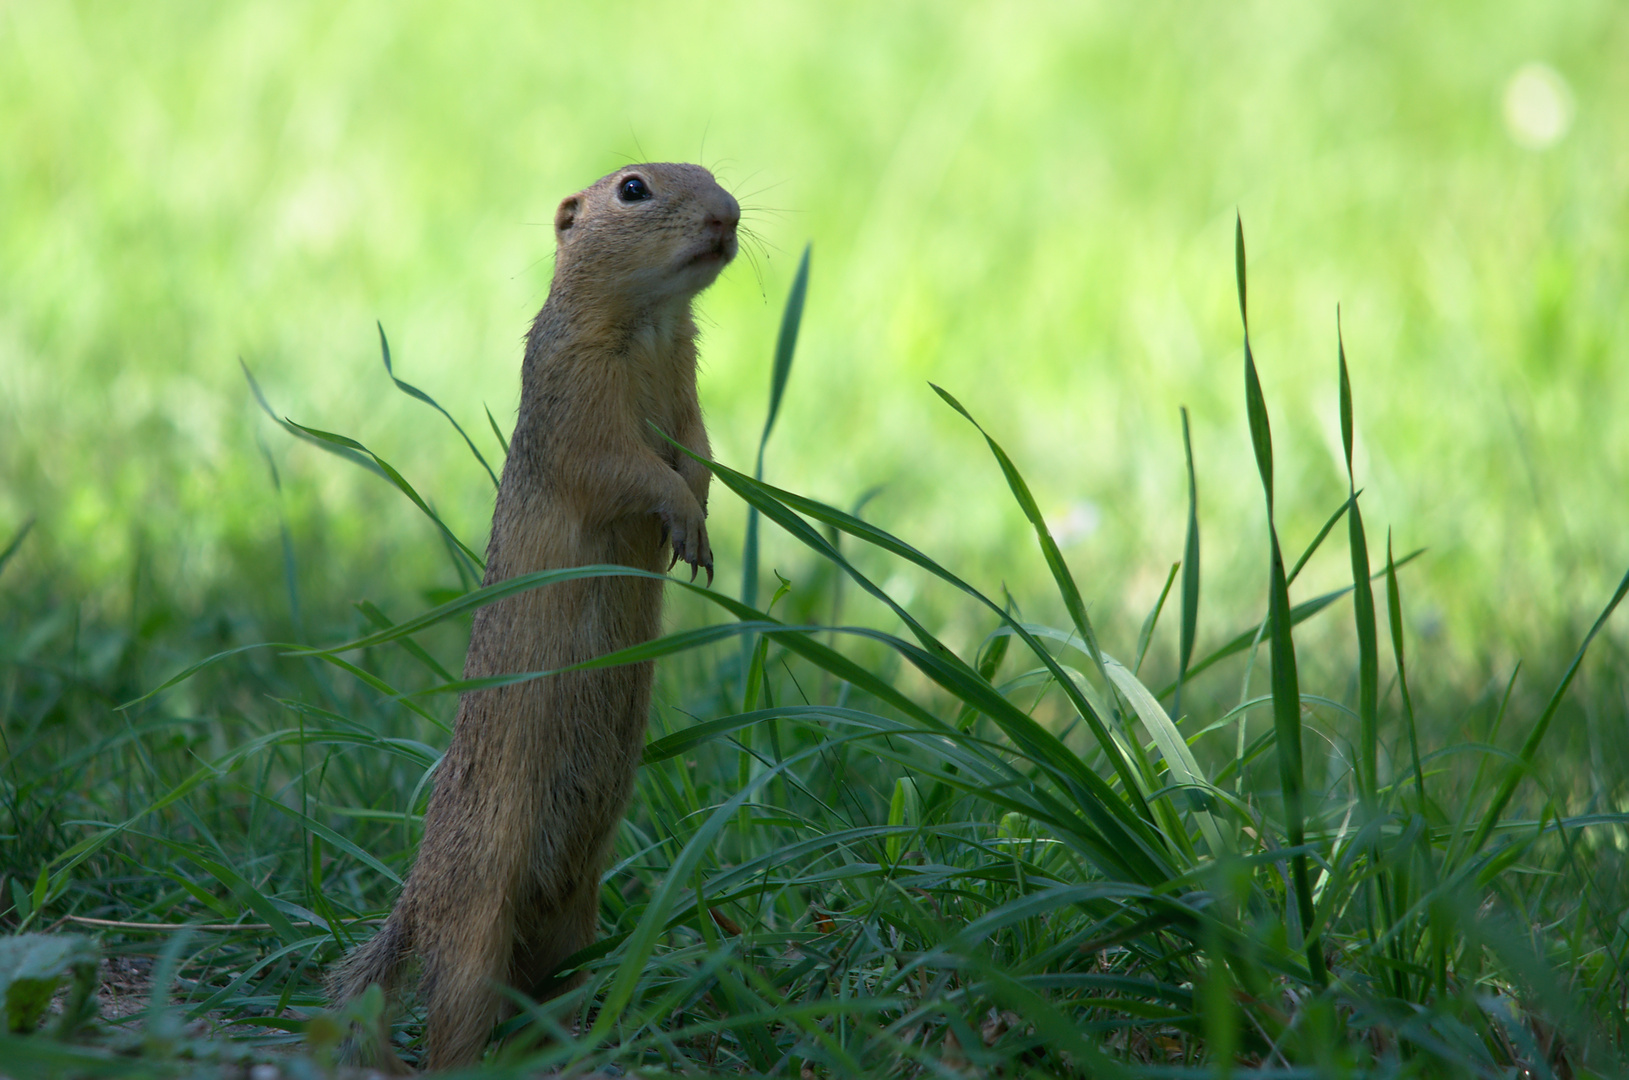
[{"x": 566, "y": 216}]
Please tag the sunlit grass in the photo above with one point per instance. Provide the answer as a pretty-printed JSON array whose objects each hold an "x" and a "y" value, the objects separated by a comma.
[{"x": 1028, "y": 207}]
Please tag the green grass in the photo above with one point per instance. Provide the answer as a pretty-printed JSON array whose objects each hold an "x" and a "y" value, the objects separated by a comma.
[
  {"x": 1030, "y": 208},
  {"x": 857, "y": 850}
]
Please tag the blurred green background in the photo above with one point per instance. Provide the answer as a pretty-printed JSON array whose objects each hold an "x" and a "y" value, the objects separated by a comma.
[{"x": 1031, "y": 205}]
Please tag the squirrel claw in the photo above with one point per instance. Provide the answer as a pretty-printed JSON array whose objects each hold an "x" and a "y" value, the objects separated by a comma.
[
  {"x": 709, "y": 575},
  {"x": 675, "y": 560}
]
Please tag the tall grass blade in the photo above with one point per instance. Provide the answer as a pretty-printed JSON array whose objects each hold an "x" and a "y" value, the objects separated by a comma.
[
  {"x": 496, "y": 430},
  {"x": 780, "y": 371},
  {"x": 487, "y": 594},
  {"x": 1462, "y": 831},
  {"x": 389, "y": 472},
  {"x": 414, "y": 392},
  {"x": 785, "y": 344},
  {"x": 1317, "y": 541},
  {"x": 357, "y": 454},
  {"x": 1394, "y": 611},
  {"x": 371, "y": 612},
  {"x": 1362, "y": 603},
  {"x": 667, "y": 645},
  {"x": 1281, "y": 645},
  {"x": 1152, "y": 619},
  {"x": 1261, "y": 438},
  {"x": 1061, "y": 577},
  {"x": 198, "y": 665},
  {"x": 1238, "y": 270},
  {"x": 337, "y": 449},
  {"x": 1190, "y": 575}
]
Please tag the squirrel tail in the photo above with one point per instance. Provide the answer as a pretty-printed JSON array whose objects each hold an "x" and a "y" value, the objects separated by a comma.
[{"x": 379, "y": 961}]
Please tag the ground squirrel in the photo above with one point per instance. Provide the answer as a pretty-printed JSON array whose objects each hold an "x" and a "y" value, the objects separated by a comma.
[{"x": 528, "y": 797}]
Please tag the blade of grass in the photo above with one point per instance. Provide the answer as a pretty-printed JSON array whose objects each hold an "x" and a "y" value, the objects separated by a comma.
[
  {"x": 371, "y": 612},
  {"x": 333, "y": 448},
  {"x": 667, "y": 645},
  {"x": 396, "y": 478},
  {"x": 1462, "y": 831},
  {"x": 780, "y": 370},
  {"x": 1394, "y": 609},
  {"x": 1179, "y": 760},
  {"x": 1281, "y": 642},
  {"x": 356, "y": 453},
  {"x": 414, "y": 392},
  {"x": 488, "y": 594},
  {"x": 496, "y": 430},
  {"x": 1072, "y": 602},
  {"x": 1190, "y": 575},
  {"x": 1317, "y": 541},
  {"x": 871, "y": 534},
  {"x": 451, "y": 609},
  {"x": 1119, "y": 823},
  {"x": 1146, "y": 634},
  {"x": 1062, "y": 578},
  {"x": 1362, "y": 602},
  {"x": 994, "y": 652}
]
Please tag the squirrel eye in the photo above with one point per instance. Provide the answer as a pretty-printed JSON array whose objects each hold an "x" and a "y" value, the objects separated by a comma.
[{"x": 633, "y": 189}]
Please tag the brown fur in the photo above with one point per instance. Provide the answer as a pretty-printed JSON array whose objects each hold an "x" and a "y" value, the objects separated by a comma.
[{"x": 528, "y": 797}]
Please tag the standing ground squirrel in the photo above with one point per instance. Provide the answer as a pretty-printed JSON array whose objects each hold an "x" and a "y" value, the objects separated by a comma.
[{"x": 529, "y": 795}]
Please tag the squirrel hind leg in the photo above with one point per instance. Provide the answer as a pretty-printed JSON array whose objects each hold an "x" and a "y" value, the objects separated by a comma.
[
  {"x": 551, "y": 940},
  {"x": 460, "y": 990}
]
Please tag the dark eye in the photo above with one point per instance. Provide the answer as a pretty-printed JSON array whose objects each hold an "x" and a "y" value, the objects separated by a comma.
[{"x": 633, "y": 189}]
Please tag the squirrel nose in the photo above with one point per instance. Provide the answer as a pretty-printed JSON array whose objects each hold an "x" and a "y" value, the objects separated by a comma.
[{"x": 726, "y": 217}]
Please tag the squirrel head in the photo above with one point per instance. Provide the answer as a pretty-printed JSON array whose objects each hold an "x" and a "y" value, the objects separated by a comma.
[{"x": 645, "y": 235}]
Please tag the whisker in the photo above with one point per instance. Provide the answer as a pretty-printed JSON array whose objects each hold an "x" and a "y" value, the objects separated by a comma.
[
  {"x": 760, "y": 191},
  {"x": 747, "y": 179},
  {"x": 754, "y": 237},
  {"x": 528, "y": 267},
  {"x": 757, "y": 271},
  {"x": 771, "y": 210}
]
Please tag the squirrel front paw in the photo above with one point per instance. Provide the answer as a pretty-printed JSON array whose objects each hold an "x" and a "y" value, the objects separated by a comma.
[{"x": 688, "y": 533}]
